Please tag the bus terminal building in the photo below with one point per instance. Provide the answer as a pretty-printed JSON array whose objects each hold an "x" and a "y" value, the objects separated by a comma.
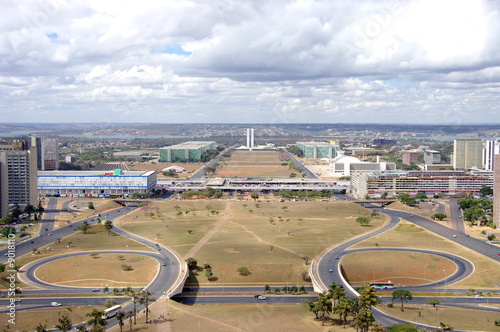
[{"x": 95, "y": 183}]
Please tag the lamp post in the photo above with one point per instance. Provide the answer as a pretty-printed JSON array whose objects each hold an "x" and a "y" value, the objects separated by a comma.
[
  {"x": 223, "y": 276},
  {"x": 444, "y": 271}
]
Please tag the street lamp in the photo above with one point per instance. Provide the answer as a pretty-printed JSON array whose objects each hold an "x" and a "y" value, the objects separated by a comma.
[{"x": 444, "y": 271}]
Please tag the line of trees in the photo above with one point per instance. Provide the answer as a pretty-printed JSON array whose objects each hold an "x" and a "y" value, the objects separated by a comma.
[{"x": 285, "y": 193}]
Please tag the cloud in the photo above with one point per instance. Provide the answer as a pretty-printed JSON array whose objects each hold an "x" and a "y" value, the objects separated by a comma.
[{"x": 255, "y": 61}]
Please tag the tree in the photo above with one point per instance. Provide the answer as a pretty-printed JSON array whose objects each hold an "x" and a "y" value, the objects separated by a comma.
[
  {"x": 254, "y": 195},
  {"x": 144, "y": 299},
  {"x": 324, "y": 306},
  {"x": 445, "y": 327},
  {"x": 267, "y": 288},
  {"x": 120, "y": 315},
  {"x": 209, "y": 274},
  {"x": 440, "y": 216},
  {"x": 434, "y": 301},
  {"x": 306, "y": 259},
  {"x": 91, "y": 206},
  {"x": 363, "y": 220},
  {"x": 364, "y": 319},
  {"x": 110, "y": 303},
  {"x": 129, "y": 315},
  {"x": 108, "y": 225},
  {"x": 29, "y": 210},
  {"x": 65, "y": 323},
  {"x": 81, "y": 328},
  {"x": 344, "y": 308},
  {"x": 96, "y": 319},
  {"x": 403, "y": 295},
  {"x": 311, "y": 306},
  {"x": 84, "y": 227},
  {"x": 486, "y": 191},
  {"x": 41, "y": 328},
  {"x": 69, "y": 244},
  {"x": 192, "y": 263},
  {"x": 368, "y": 297},
  {"x": 243, "y": 271},
  {"x": 403, "y": 328}
]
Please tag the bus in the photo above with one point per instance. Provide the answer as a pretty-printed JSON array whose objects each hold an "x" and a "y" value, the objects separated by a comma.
[
  {"x": 382, "y": 285},
  {"x": 110, "y": 312}
]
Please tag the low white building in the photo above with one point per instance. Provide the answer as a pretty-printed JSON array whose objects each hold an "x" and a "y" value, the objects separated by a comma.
[
  {"x": 95, "y": 183},
  {"x": 346, "y": 165}
]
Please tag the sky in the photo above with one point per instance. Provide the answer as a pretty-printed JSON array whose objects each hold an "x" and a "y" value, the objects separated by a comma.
[{"x": 241, "y": 61}]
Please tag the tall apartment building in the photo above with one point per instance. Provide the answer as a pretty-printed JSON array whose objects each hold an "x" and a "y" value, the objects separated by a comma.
[
  {"x": 496, "y": 191},
  {"x": 18, "y": 175},
  {"x": 467, "y": 153},
  {"x": 313, "y": 150},
  {"x": 48, "y": 154},
  {"x": 491, "y": 148},
  {"x": 410, "y": 157}
]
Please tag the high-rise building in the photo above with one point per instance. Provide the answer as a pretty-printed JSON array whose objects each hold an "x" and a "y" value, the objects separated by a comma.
[
  {"x": 467, "y": 153},
  {"x": 496, "y": 191},
  {"x": 410, "y": 157},
  {"x": 18, "y": 175},
  {"x": 432, "y": 157},
  {"x": 48, "y": 154},
  {"x": 491, "y": 148},
  {"x": 250, "y": 138}
]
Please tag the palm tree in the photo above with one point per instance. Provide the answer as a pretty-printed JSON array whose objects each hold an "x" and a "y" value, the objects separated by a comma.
[
  {"x": 130, "y": 314},
  {"x": 29, "y": 209},
  {"x": 41, "y": 328},
  {"x": 324, "y": 306},
  {"x": 446, "y": 327},
  {"x": 39, "y": 211},
  {"x": 120, "y": 315},
  {"x": 364, "y": 319},
  {"x": 368, "y": 297},
  {"x": 81, "y": 328},
  {"x": 144, "y": 299},
  {"x": 96, "y": 319},
  {"x": 135, "y": 297},
  {"x": 65, "y": 323},
  {"x": 344, "y": 309}
]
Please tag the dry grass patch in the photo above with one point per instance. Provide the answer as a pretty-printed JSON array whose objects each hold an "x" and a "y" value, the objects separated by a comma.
[
  {"x": 104, "y": 269},
  {"x": 487, "y": 270},
  {"x": 230, "y": 318},
  {"x": 402, "y": 268},
  {"x": 27, "y": 320},
  {"x": 253, "y": 163},
  {"x": 459, "y": 318}
]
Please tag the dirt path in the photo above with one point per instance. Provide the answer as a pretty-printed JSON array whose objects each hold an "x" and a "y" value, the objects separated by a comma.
[{"x": 215, "y": 229}]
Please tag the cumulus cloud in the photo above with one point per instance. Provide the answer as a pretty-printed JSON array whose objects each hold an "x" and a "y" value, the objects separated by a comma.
[{"x": 250, "y": 61}]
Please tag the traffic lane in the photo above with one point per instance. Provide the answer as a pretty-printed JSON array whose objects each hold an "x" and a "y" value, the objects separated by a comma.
[
  {"x": 455, "y": 217},
  {"x": 223, "y": 289},
  {"x": 456, "y": 301},
  {"x": 251, "y": 299},
  {"x": 480, "y": 246},
  {"x": 37, "y": 303}
]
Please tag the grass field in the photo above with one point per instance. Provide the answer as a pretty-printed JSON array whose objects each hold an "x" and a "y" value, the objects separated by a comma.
[
  {"x": 458, "y": 318},
  {"x": 253, "y": 163},
  {"x": 99, "y": 271},
  {"x": 410, "y": 236},
  {"x": 269, "y": 239}
]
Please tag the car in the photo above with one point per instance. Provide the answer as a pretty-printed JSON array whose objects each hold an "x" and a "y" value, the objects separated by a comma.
[
  {"x": 32, "y": 241},
  {"x": 17, "y": 300},
  {"x": 478, "y": 297},
  {"x": 164, "y": 264},
  {"x": 260, "y": 297},
  {"x": 331, "y": 270},
  {"x": 454, "y": 235},
  {"x": 55, "y": 304},
  {"x": 336, "y": 257},
  {"x": 46, "y": 229},
  {"x": 96, "y": 290},
  {"x": 50, "y": 234},
  {"x": 70, "y": 225}
]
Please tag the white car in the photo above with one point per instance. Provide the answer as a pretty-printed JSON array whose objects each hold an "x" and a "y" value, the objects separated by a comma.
[
  {"x": 478, "y": 297},
  {"x": 55, "y": 304}
]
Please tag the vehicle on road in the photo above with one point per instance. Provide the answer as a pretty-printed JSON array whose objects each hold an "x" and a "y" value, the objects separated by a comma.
[
  {"x": 96, "y": 290},
  {"x": 454, "y": 235},
  {"x": 55, "y": 304},
  {"x": 478, "y": 297},
  {"x": 382, "y": 285},
  {"x": 111, "y": 312},
  {"x": 336, "y": 257},
  {"x": 331, "y": 270},
  {"x": 260, "y": 297}
]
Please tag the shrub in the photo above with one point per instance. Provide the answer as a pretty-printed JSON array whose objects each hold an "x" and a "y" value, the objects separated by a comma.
[{"x": 126, "y": 267}]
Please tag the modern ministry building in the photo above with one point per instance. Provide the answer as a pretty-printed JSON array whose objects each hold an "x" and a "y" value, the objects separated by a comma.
[
  {"x": 95, "y": 183},
  {"x": 18, "y": 174},
  {"x": 186, "y": 152},
  {"x": 415, "y": 182},
  {"x": 467, "y": 153},
  {"x": 313, "y": 150}
]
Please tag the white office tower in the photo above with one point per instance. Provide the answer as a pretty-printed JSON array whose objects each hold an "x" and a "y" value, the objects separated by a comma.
[
  {"x": 250, "y": 138},
  {"x": 491, "y": 148}
]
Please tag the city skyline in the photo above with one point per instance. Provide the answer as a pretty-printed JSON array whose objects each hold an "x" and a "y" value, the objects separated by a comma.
[{"x": 277, "y": 62}]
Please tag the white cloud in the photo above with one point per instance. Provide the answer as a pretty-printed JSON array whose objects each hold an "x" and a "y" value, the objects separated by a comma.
[{"x": 255, "y": 61}]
